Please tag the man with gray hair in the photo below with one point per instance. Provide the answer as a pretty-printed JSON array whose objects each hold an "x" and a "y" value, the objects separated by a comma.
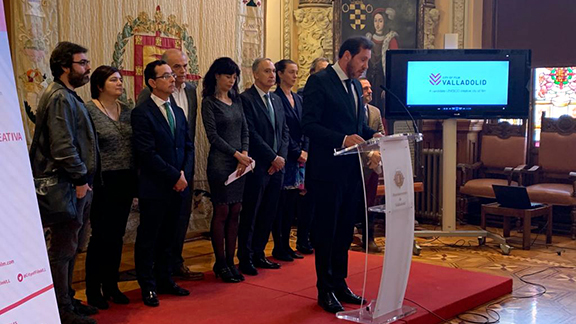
[
  {"x": 319, "y": 64},
  {"x": 268, "y": 147},
  {"x": 184, "y": 96}
]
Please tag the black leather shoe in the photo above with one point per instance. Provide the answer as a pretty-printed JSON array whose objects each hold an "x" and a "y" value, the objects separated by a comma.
[
  {"x": 96, "y": 300},
  {"x": 173, "y": 290},
  {"x": 295, "y": 255},
  {"x": 248, "y": 268},
  {"x": 347, "y": 296},
  {"x": 150, "y": 298},
  {"x": 329, "y": 302},
  {"x": 82, "y": 309},
  {"x": 225, "y": 274},
  {"x": 116, "y": 296},
  {"x": 236, "y": 273},
  {"x": 265, "y": 264},
  {"x": 304, "y": 248},
  {"x": 282, "y": 257}
]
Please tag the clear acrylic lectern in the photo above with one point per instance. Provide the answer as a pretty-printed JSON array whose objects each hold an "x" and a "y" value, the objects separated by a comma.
[{"x": 389, "y": 155}]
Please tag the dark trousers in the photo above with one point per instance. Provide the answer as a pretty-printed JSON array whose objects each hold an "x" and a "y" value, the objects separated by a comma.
[
  {"x": 63, "y": 249},
  {"x": 182, "y": 229},
  {"x": 305, "y": 217},
  {"x": 336, "y": 204},
  {"x": 155, "y": 240},
  {"x": 287, "y": 209},
  {"x": 108, "y": 217},
  {"x": 371, "y": 187},
  {"x": 259, "y": 209}
]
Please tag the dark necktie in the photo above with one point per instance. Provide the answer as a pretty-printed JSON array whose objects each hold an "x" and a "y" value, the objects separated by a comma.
[
  {"x": 272, "y": 116},
  {"x": 170, "y": 117},
  {"x": 350, "y": 93}
]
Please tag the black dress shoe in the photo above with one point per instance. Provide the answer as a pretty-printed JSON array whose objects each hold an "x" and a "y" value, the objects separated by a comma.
[
  {"x": 329, "y": 302},
  {"x": 304, "y": 248},
  {"x": 115, "y": 295},
  {"x": 347, "y": 296},
  {"x": 236, "y": 273},
  {"x": 225, "y": 274},
  {"x": 282, "y": 257},
  {"x": 150, "y": 298},
  {"x": 266, "y": 264},
  {"x": 248, "y": 268},
  {"x": 173, "y": 290},
  {"x": 96, "y": 300},
  {"x": 295, "y": 255},
  {"x": 82, "y": 309}
]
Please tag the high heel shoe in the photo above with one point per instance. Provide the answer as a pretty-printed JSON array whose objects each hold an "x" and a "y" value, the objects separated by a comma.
[
  {"x": 226, "y": 275},
  {"x": 235, "y": 273},
  {"x": 116, "y": 296}
]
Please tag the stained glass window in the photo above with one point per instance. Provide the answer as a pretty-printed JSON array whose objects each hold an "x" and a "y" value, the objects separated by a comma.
[{"x": 554, "y": 94}]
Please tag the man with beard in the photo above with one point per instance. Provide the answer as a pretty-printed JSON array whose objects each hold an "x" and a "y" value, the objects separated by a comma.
[
  {"x": 65, "y": 146},
  {"x": 184, "y": 96},
  {"x": 333, "y": 118}
]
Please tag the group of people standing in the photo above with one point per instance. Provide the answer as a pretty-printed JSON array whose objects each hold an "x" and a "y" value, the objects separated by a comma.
[{"x": 107, "y": 151}]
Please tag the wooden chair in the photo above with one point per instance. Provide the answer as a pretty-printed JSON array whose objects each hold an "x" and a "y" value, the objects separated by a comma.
[
  {"x": 502, "y": 154},
  {"x": 555, "y": 175}
]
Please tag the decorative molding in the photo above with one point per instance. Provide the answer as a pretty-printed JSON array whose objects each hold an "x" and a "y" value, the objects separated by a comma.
[
  {"x": 504, "y": 130},
  {"x": 430, "y": 28},
  {"x": 287, "y": 29},
  {"x": 459, "y": 12},
  {"x": 314, "y": 37},
  {"x": 315, "y": 3},
  {"x": 563, "y": 125}
]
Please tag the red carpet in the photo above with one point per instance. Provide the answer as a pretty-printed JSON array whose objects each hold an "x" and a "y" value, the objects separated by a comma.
[{"x": 288, "y": 296}]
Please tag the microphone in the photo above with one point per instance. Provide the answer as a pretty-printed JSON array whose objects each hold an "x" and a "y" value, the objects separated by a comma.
[{"x": 403, "y": 106}]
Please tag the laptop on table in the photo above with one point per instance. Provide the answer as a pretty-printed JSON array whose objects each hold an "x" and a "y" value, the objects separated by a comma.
[{"x": 514, "y": 197}]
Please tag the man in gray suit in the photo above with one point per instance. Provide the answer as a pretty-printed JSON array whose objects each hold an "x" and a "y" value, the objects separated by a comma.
[{"x": 184, "y": 97}]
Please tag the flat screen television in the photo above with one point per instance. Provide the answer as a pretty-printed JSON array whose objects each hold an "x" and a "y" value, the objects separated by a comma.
[{"x": 472, "y": 84}]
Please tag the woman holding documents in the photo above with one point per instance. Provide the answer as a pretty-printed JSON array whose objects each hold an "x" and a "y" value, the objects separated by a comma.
[{"x": 227, "y": 132}]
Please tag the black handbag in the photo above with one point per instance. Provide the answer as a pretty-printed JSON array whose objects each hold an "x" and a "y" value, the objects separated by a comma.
[
  {"x": 56, "y": 200},
  {"x": 56, "y": 195}
]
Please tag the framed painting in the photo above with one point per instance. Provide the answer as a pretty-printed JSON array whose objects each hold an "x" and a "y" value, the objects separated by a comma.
[{"x": 390, "y": 24}]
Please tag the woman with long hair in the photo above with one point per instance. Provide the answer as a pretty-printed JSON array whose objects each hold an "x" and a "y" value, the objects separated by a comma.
[
  {"x": 227, "y": 132},
  {"x": 113, "y": 192}
]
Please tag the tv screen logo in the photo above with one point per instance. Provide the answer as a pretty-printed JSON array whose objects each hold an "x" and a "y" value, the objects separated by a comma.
[{"x": 457, "y": 83}]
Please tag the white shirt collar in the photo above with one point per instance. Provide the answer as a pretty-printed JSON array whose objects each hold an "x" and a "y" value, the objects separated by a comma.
[
  {"x": 343, "y": 77},
  {"x": 159, "y": 101},
  {"x": 260, "y": 91}
]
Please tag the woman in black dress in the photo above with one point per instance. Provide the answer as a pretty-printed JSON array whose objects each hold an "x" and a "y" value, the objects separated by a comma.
[
  {"x": 227, "y": 132},
  {"x": 113, "y": 192}
]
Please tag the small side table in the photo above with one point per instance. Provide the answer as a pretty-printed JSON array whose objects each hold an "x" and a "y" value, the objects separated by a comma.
[{"x": 525, "y": 214}]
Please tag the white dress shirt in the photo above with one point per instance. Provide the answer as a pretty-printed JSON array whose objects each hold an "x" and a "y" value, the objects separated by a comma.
[
  {"x": 181, "y": 98},
  {"x": 343, "y": 77},
  {"x": 160, "y": 103}
]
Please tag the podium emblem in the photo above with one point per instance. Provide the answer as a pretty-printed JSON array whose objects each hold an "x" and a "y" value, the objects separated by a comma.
[{"x": 399, "y": 178}]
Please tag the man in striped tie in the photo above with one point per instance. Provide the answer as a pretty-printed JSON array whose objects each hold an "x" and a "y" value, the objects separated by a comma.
[{"x": 164, "y": 157}]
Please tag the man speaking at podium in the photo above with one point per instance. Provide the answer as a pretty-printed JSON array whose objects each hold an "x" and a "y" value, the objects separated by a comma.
[{"x": 333, "y": 118}]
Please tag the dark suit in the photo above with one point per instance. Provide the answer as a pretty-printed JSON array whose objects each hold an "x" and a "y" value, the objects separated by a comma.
[
  {"x": 328, "y": 115},
  {"x": 262, "y": 190},
  {"x": 160, "y": 157},
  {"x": 183, "y": 220}
]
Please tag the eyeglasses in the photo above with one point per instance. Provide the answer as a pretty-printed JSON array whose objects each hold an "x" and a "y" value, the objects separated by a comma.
[
  {"x": 166, "y": 76},
  {"x": 82, "y": 62}
]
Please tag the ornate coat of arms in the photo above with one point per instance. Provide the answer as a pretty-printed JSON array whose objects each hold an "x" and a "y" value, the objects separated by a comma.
[
  {"x": 149, "y": 38},
  {"x": 399, "y": 178}
]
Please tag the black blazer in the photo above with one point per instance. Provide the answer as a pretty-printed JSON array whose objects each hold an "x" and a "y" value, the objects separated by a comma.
[
  {"x": 159, "y": 156},
  {"x": 327, "y": 117},
  {"x": 260, "y": 128},
  {"x": 297, "y": 141}
]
